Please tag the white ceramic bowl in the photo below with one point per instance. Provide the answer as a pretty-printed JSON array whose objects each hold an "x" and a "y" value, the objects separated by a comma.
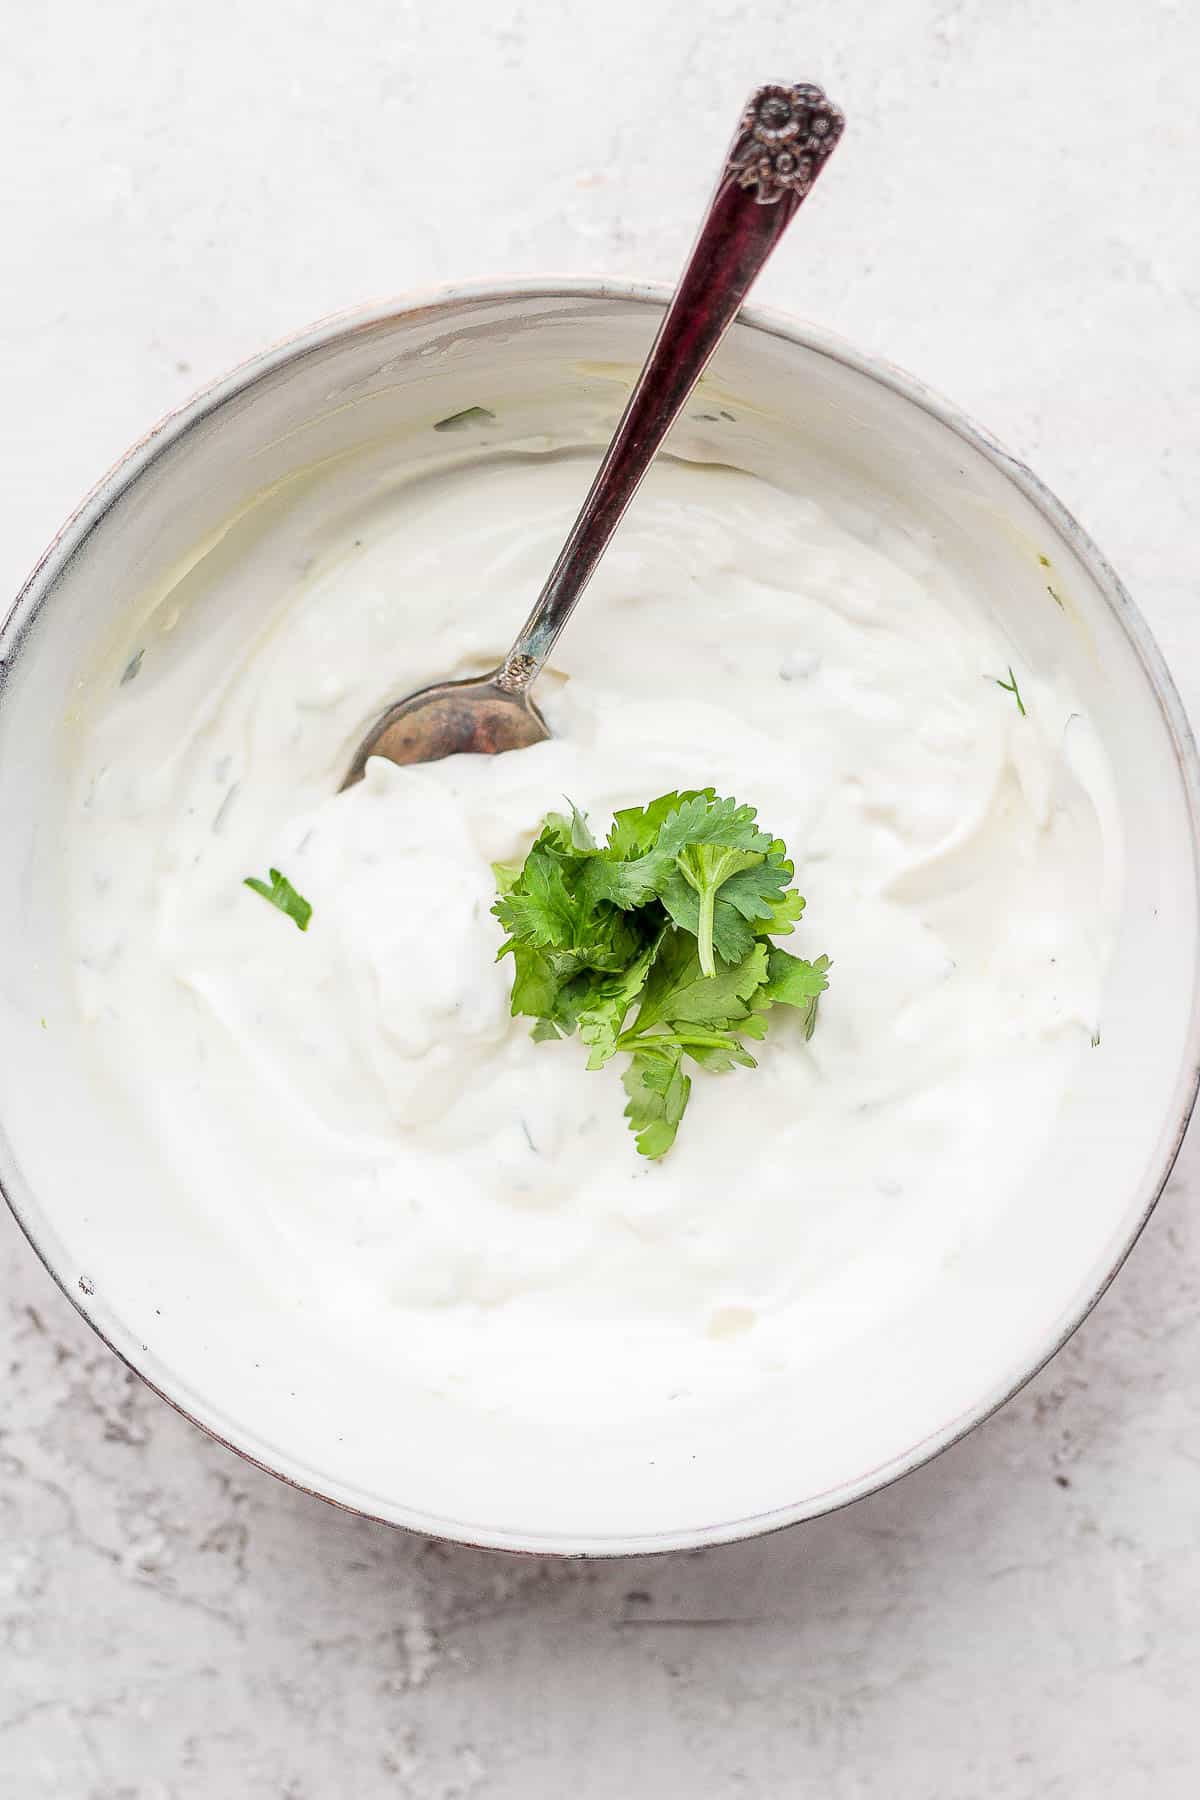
[{"x": 807, "y": 412}]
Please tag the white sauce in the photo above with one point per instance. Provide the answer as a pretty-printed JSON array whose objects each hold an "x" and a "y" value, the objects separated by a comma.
[{"x": 354, "y": 1106}]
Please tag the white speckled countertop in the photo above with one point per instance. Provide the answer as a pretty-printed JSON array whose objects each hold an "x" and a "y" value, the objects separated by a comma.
[{"x": 1012, "y": 217}]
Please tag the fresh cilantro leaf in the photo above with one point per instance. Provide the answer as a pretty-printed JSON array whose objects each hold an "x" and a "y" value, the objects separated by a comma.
[
  {"x": 567, "y": 832},
  {"x": 601, "y": 1020},
  {"x": 758, "y": 889},
  {"x": 280, "y": 892},
  {"x": 679, "y": 992},
  {"x": 705, "y": 868},
  {"x": 701, "y": 820},
  {"x": 750, "y": 903},
  {"x": 537, "y": 909},
  {"x": 794, "y": 982},
  {"x": 785, "y": 912},
  {"x": 576, "y": 830},
  {"x": 658, "y": 1093},
  {"x": 732, "y": 937},
  {"x": 642, "y": 849},
  {"x": 552, "y": 985},
  {"x": 535, "y": 985},
  {"x": 791, "y": 982},
  {"x": 727, "y": 897},
  {"x": 719, "y": 1058},
  {"x": 636, "y": 829},
  {"x": 544, "y": 903},
  {"x": 673, "y": 915}
]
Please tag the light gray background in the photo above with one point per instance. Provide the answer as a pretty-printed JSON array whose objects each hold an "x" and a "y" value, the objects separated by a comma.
[{"x": 1011, "y": 215}]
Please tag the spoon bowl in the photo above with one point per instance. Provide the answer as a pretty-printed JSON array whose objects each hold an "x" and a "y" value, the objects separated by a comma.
[{"x": 476, "y": 717}]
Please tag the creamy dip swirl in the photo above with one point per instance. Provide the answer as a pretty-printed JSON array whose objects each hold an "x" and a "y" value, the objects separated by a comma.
[{"x": 355, "y": 1108}]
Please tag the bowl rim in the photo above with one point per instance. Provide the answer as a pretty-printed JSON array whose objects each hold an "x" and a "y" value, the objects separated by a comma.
[{"x": 108, "y": 492}]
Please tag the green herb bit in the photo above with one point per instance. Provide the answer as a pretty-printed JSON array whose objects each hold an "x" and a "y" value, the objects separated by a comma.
[
  {"x": 1010, "y": 687},
  {"x": 133, "y": 667},
  {"x": 658, "y": 1093},
  {"x": 280, "y": 892},
  {"x": 470, "y": 415},
  {"x": 657, "y": 944},
  {"x": 750, "y": 884}
]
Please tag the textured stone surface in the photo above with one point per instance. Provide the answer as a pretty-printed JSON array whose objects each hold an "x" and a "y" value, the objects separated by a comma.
[{"x": 1012, "y": 215}]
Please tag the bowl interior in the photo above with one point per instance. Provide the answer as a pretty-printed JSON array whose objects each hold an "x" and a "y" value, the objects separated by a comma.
[{"x": 167, "y": 1289}]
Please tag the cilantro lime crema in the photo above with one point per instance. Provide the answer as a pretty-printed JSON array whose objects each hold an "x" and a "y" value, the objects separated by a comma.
[{"x": 353, "y": 1104}]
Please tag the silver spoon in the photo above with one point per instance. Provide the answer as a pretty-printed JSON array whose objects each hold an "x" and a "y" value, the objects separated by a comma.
[{"x": 783, "y": 139}]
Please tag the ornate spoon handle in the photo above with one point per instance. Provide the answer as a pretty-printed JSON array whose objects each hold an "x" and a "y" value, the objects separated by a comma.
[{"x": 783, "y": 140}]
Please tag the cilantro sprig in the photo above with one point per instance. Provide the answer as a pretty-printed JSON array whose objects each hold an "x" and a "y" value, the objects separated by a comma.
[{"x": 657, "y": 944}]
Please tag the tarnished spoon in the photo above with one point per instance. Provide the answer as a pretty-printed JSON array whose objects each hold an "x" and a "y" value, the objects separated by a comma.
[{"x": 783, "y": 139}]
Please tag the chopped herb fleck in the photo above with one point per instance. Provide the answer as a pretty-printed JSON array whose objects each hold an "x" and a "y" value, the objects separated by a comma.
[
  {"x": 1095, "y": 1040},
  {"x": 1010, "y": 687},
  {"x": 1044, "y": 560},
  {"x": 470, "y": 415},
  {"x": 1056, "y": 597},
  {"x": 133, "y": 666},
  {"x": 280, "y": 892},
  {"x": 222, "y": 812}
]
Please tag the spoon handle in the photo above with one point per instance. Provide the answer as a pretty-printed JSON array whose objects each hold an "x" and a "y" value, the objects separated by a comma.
[{"x": 784, "y": 137}]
